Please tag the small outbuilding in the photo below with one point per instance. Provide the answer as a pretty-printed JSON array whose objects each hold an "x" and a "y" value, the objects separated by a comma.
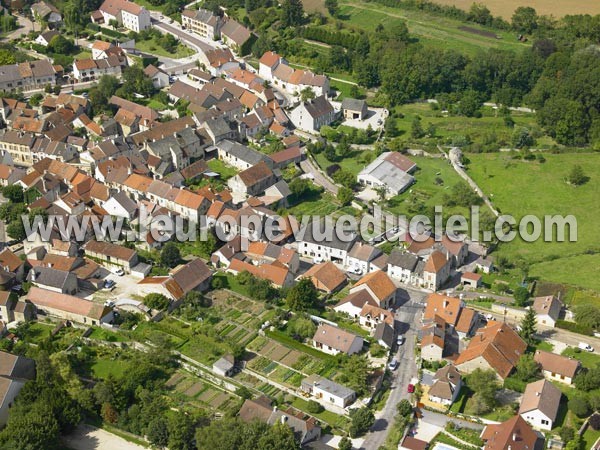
[
  {"x": 224, "y": 366},
  {"x": 354, "y": 109}
]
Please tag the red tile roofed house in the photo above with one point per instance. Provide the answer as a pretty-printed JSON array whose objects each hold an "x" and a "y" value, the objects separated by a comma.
[
  {"x": 353, "y": 303},
  {"x": 252, "y": 181},
  {"x": 436, "y": 270},
  {"x": 68, "y": 307},
  {"x": 148, "y": 115},
  {"x": 326, "y": 277},
  {"x": 449, "y": 308},
  {"x": 371, "y": 316},
  {"x": 470, "y": 279},
  {"x": 379, "y": 285},
  {"x": 219, "y": 60},
  {"x": 12, "y": 263},
  {"x": 513, "y": 434},
  {"x": 193, "y": 276},
  {"x": 190, "y": 205},
  {"x": 111, "y": 255},
  {"x": 433, "y": 340},
  {"x": 283, "y": 158},
  {"x": 333, "y": 340},
  {"x": 497, "y": 347},
  {"x": 261, "y": 252},
  {"x": 277, "y": 274},
  {"x": 556, "y": 367},
  {"x": 268, "y": 63},
  {"x": 126, "y": 13}
]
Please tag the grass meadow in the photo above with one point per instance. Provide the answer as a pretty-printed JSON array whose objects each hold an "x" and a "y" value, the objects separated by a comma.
[{"x": 520, "y": 187}]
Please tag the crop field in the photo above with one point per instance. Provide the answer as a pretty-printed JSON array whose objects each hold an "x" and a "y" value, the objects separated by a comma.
[
  {"x": 520, "y": 187},
  {"x": 557, "y": 8},
  {"x": 433, "y": 29}
]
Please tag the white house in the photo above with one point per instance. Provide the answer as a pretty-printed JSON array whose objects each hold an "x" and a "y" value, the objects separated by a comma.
[
  {"x": 45, "y": 38},
  {"x": 14, "y": 373},
  {"x": 446, "y": 385},
  {"x": 333, "y": 340},
  {"x": 405, "y": 267},
  {"x": 361, "y": 256},
  {"x": 126, "y": 13},
  {"x": 240, "y": 156},
  {"x": 327, "y": 391},
  {"x": 556, "y": 367},
  {"x": 312, "y": 114},
  {"x": 160, "y": 78},
  {"x": 540, "y": 404},
  {"x": 224, "y": 366},
  {"x": 120, "y": 205},
  {"x": 324, "y": 248},
  {"x": 547, "y": 310}
]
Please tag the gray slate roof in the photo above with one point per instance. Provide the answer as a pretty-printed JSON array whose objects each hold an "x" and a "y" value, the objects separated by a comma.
[
  {"x": 405, "y": 260},
  {"x": 246, "y": 154}
]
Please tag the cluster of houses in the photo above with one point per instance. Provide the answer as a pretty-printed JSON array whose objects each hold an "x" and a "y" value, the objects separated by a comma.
[{"x": 461, "y": 341}]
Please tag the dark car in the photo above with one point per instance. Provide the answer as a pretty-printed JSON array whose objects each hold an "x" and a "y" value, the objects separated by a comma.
[{"x": 109, "y": 284}]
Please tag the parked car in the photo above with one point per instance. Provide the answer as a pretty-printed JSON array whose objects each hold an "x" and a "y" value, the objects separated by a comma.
[
  {"x": 393, "y": 365},
  {"x": 586, "y": 347},
  {"x": 400, "y": 340},
  {"x": 118, "y": 271},
  {"x": 411, "y": 388},
  {"x": 109, "y": 284}
]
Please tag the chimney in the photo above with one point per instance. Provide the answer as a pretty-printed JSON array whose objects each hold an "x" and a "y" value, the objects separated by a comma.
[
  {"x": 514, "y": 436},
  {"x": 33, "y": 275},
  {"x": 446, "y": 303},
  {"x": 283, "y": 419},
  {"x": 129, "y": 171}
]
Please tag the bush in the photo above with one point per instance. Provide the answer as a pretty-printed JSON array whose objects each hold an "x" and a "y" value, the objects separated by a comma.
[
  {"x": 157, "y": 301},
  {"x": 514, "y": 384},
  {"x": 314, "y": 407},
  {"x": 594, "y": 421},
  {"x": 575, "y": 328},
  {"x": 579, "y": 406}
]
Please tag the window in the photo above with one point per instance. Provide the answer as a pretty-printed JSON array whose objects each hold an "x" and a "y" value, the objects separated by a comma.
[{"x": 545, "y": 422}]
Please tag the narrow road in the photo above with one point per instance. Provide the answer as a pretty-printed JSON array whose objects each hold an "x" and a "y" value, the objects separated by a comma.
[
  {"x": 319, "y": 177},
  {"x": 464, "y": 175},
  {"x": 440, "y": 420},
  {"x": 408, "y": 314},
  {"x": 187, "y": 38}
]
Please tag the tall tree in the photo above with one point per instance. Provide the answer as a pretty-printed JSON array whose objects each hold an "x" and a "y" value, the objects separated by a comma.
[
  {"x": 303, "y": 295},
  {"x": 292, "y": 13},
  {"x": 529, "y": 326}
]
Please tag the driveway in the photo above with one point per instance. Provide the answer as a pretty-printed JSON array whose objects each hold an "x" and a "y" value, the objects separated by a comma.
[
  {"x": 25, "y": 26},
  {"x": 375, "y": 118},
  {"x": 86, "y": 437}
]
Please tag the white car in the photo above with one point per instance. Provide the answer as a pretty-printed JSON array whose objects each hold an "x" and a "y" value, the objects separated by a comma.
[
  {"x": 393, "y": 365},
  {"x": 586, "y": 347},
  {"x": 118, "y": 271},
  {"x": 400, "y": 340}
]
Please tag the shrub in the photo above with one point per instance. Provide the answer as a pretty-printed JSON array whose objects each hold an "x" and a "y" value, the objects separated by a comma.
[
  {"x": 314, "y": 407},
  {"x": 579, "y": 406},
  {"x": 575, "y": 328}
]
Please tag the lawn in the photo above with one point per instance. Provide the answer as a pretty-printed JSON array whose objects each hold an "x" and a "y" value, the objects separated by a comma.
[
  {"x": 334, "y": 420},
  {"x": 519, "y": 188},
  {"x": 153, "y": 47},
  {"x": 587, "y": 359},
  {"x": 321, "y": 204},
  {"x": 480, "y": 130},
  {"x": 354, "y": 163},
  {"x": 427, "y": 188},
  {"x": 590, "y": 436},
  {"x": 226, "y": 172},
  {"x": 102, "y": 368},
  {"x": 231, "y": 282},
  {"x": 104, "y": 335},
  {"x": 428, "y": 28}
]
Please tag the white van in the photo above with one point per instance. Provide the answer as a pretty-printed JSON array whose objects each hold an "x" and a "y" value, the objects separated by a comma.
[{"x": 586, "y": 347}]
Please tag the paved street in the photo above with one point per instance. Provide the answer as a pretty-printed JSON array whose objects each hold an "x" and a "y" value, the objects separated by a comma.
[
  {"x": 318, "y": 177},
  {"x": 408, "y": 314}
]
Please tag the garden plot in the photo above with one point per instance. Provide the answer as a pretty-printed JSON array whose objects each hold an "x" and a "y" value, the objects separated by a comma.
[
  {"x": 174, "y": 380},
  {"x": 194, "y": 390},
  {"x": 219, "y": 400},
  {"x": 208, "y": 395}
]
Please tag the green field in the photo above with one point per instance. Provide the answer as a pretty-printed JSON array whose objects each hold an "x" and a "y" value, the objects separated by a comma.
[
  {"x": 151, "y": 46},
  {"x": 102, "y": 368},
  {"x": 488, "y": 128},
  {"x": 433, "y": 29},
  {"x": 520, "y": 187},
  {"x": 587, "y": 359},
  {"x": 425, "y": 188}
]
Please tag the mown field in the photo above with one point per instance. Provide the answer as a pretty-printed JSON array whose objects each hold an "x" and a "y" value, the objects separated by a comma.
[
  {"x": 433, "y": 29},
  {"x": 557, "y": 8},
  {"x": 520, "y": 187}
]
